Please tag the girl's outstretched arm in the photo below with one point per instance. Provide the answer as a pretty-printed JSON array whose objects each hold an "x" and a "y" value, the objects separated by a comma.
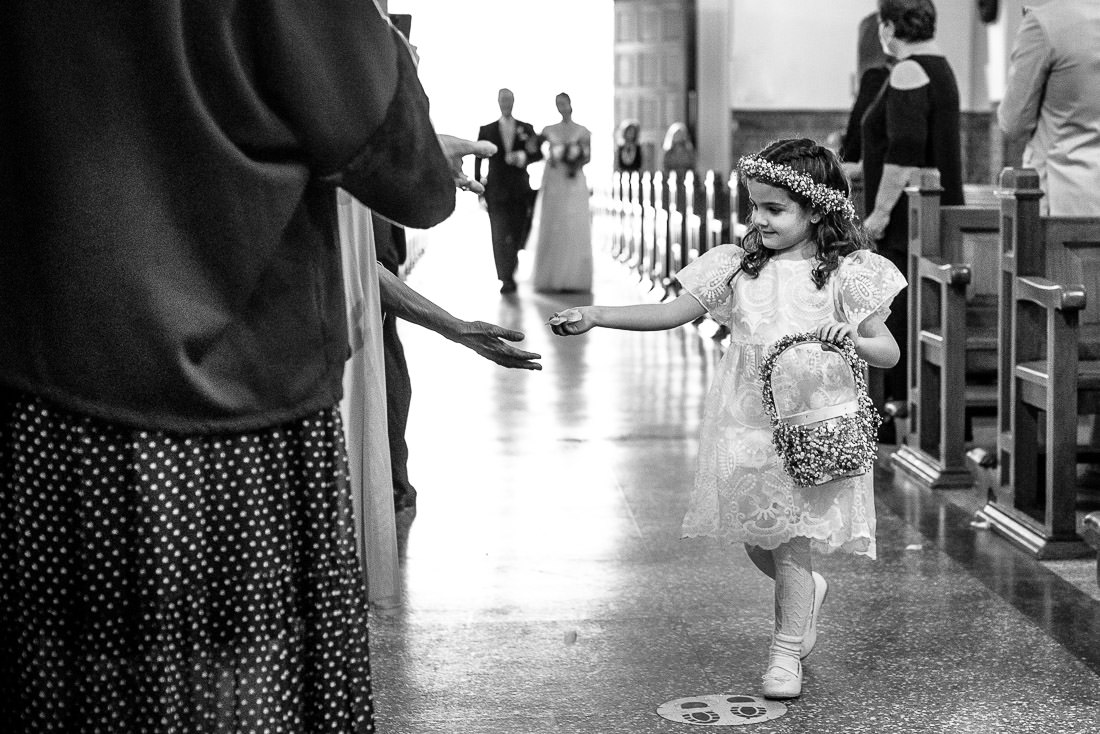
[
  {"x": 638, "y": 317},
  {"x": 874, "y": 342}
]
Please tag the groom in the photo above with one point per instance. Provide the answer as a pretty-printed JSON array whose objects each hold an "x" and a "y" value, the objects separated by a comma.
[{"x": 508, "y": 194}]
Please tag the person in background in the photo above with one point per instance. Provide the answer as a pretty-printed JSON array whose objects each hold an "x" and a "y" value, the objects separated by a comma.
[
  {"x": 678, "y": 152},
  {"x": 561, "y": 232},
  {"x": 1052, "y": 100},
  {"x": 399, "y": 301},
  {"x": 508, "y": 194},
  {"x": 872, "y": 70},
  {"x": 628, "y": 153},
  {"x": 177, "y": 550},
  {"x": 913, "y": 123},
  {"x": 804, "y": 267}
]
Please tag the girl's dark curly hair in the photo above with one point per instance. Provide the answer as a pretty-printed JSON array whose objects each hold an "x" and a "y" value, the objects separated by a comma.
[{"x": 835, "y": 234}]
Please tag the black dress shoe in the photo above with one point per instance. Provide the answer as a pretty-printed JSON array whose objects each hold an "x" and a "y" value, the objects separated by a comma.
[{"x": 508, "y": 287}]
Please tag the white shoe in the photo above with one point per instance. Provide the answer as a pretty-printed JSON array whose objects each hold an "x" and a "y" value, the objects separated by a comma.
[
  {"x": 782, "y": 683},
  {"x": 809, "y": 637}
]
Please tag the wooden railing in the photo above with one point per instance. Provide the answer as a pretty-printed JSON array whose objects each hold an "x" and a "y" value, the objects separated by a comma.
[{"x": 656, "y": 224}]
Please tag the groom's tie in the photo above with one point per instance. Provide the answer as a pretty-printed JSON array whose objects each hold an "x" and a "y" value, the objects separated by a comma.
[{"x": 507, "y": 133}]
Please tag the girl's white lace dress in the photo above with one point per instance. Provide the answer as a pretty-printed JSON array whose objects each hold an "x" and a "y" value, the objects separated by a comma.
[{"x": 741, "y": 492}]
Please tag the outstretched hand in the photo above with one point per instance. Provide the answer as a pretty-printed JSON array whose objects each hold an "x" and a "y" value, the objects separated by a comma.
[
  {"x": 571, "y": 321},
  {"x": 458, "y": 148},
  {"x": 491, "y": 342}
]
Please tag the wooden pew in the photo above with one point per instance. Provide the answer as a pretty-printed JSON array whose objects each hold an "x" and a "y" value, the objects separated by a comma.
[
  {"x": 675, "y": 200},
  {"x": 632, "y": 216},
  {"x": 952, "y": 344},
  {"x": 1049, "y": 364},
  {"x": 619, "y": 200},
  {"x": 656, "y": 253},
  {"x": 601, "y": 209},
  {"x": 694, "y": 219},
  {"x": 720, "y": 214},
  {"x": 647, "y": 218}
]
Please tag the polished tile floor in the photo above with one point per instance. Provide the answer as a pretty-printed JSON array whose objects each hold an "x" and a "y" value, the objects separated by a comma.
[{"x": 546, "y": 588}]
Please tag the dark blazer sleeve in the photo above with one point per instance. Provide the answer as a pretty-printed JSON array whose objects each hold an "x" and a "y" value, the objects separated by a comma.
[
  {"x": 344, "y": 82},
  {"x": 402, "y": 172}
]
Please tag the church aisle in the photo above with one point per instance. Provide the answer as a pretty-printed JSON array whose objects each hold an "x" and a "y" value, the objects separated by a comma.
[{"x": 547, "y": 590}]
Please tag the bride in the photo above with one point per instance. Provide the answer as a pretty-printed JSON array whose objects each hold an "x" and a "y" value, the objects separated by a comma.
[{"x": 561, "y": 231}]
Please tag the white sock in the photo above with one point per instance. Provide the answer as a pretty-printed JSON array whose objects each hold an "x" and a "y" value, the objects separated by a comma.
[
  {"x": 794, "y": 599},
  {"x": 785, "y": 652}
]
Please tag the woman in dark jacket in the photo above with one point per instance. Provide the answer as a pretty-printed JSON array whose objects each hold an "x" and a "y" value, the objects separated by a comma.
[{"x": 176, "y": 542}]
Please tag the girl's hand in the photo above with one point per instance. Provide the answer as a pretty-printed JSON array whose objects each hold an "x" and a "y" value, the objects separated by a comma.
[
  {"x": 572, "y": 321},
  {"x": 836, "y": 331}
]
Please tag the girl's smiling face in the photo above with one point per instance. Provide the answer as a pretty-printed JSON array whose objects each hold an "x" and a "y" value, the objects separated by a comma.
[{"x": 783, "y": 223}]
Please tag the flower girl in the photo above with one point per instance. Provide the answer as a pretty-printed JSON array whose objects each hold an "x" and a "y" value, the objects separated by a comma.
[{"x": 804, "y": 266}]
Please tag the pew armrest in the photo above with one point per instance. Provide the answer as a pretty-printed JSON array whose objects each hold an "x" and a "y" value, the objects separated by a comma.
[
  {"x": 941, "y": 271},
  {"x": 1050, "y": 295}
]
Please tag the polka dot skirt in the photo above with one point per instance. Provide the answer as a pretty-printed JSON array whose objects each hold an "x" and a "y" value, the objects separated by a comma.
[{"x": 157, "y": 583}]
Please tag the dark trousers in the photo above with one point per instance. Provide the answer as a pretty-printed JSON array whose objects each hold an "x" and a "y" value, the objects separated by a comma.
[
  {"x": 510, "y": 222},
  {"x": 398, "y": 400}
]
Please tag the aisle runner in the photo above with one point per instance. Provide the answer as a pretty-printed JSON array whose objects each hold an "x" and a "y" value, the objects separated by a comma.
[{"x": 721, "y": 710}]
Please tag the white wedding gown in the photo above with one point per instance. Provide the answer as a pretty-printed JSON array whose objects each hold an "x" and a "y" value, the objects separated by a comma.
[{"x": 561, "y": 230}]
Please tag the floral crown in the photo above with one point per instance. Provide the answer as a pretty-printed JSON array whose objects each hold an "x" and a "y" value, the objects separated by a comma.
[{"x": 825, "y": 198}]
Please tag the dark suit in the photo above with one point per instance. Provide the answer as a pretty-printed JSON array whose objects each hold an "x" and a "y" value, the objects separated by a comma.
[{"x": 508, "y": 194}]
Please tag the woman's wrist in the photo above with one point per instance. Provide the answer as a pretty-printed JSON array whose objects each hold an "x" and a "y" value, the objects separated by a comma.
[{"x": 595, "y": 314}]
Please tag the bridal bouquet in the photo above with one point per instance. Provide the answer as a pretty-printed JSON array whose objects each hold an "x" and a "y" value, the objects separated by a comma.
[{"x": 572, "y": 157}]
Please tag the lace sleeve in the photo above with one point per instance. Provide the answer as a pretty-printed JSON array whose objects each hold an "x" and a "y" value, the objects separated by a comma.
[
  {"x": 867, "y": 284},
  {"x": 708, "y": 279}
]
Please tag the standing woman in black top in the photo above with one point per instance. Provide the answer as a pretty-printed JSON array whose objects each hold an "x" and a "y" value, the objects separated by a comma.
[{"x": 913, "y": 123}]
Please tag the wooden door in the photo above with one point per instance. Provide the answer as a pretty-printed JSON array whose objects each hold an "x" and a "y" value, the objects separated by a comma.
[{"x": 655, "y": 69}]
